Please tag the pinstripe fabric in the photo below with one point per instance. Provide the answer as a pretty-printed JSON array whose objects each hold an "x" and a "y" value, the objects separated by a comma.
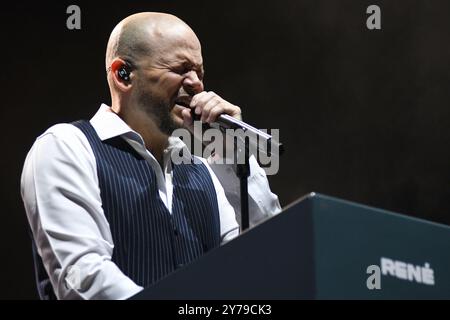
[{"x": 149, "y": 242}]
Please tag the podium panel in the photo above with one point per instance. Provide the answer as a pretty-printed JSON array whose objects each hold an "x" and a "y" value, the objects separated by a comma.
[{"x": 321, "y": 247}]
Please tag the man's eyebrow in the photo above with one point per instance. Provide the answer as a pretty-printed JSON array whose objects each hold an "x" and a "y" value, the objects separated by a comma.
[
  {"x": 192, "y": 64},
  {"x": 189, "y": 64},
  {"x": 199, "y": 67},
  {"x": 182, "y": 59}
]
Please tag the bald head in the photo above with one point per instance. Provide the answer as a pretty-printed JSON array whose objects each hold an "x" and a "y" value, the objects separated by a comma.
[{"x": 146, "y": 34}]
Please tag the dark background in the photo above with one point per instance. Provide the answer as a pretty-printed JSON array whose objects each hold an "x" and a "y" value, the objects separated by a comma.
[{"x": 364, "y": 115}]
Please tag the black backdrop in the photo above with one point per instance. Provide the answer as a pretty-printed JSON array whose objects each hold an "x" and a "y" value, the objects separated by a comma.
[{"x": 364, "y": 115}]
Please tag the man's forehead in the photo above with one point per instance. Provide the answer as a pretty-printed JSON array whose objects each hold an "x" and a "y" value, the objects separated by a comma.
[
  {"x": 175, "y": 45},
  {"x": 174, "y": 36}
]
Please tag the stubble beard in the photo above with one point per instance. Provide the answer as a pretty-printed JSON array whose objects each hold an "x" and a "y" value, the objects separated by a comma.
[{"x": 160, "y": 113}]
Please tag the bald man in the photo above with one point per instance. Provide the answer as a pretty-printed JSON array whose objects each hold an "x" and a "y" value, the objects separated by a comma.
[{"x": 109, "y": 212}]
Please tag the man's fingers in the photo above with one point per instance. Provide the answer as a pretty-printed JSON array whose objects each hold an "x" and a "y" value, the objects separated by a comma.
[
  {"x": 201, "y": 98},
  {"x": 206, "y": 101},
  {"x": 187, "y": 118},
  {"x": 233, "y": 110},
  {"x": 211, "y": 104},
  {"x": 214, "y": 113},
  {"x": 224, "y": 107}
]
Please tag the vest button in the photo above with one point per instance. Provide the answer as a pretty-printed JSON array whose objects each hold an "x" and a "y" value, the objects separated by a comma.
[
  {"x": 175, "y": 232},
  {"x": 180, "y": 265}
]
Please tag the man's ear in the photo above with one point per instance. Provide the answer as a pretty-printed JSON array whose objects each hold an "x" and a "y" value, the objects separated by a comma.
[{"x": 121, "y": 74}]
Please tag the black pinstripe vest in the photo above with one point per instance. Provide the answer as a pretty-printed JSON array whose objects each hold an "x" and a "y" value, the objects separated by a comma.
[{"x": 149, "y": 241}]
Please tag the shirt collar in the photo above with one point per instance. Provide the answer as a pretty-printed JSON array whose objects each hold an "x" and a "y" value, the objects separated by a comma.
[{"x": 107, "y": 124}]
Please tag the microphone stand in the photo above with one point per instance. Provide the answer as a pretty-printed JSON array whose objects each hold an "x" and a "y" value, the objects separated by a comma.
[
  {"x": 224, "y": 122},
  {"x": 243, "y": 172}
]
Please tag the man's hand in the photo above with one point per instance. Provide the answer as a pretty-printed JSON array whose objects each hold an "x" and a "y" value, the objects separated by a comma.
[{"x": 208, "y": 106}]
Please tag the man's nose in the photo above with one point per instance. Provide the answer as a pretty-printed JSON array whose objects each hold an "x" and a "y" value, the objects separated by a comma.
[{"x": 192, "y": 84}]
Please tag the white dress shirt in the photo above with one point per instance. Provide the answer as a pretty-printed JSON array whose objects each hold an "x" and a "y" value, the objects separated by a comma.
[{"x": 60, "y": 190}]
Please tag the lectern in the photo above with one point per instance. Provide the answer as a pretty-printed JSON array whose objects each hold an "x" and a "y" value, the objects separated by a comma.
[{"x": 321, "y": 248}]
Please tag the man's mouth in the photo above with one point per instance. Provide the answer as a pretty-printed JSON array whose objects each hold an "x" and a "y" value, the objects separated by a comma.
[{"x": 184, "y": 101}]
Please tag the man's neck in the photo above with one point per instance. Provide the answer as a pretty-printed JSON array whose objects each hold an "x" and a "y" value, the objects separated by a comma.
[{"x": 155, "y": 140}]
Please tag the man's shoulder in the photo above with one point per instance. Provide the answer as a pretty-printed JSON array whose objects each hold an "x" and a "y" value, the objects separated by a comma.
[
  {"x": 62, "y": 131},
  {"x": 62, "y": 143},
  {"x": 61, "y": 137}
]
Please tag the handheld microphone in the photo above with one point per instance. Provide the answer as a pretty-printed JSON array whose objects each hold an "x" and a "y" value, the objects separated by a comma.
[{"x": 225, "y": 121}]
